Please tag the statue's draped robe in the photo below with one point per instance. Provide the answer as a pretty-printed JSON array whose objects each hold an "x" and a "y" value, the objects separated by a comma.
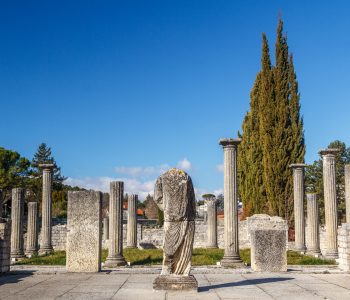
[{"x": 174, "y": 194}]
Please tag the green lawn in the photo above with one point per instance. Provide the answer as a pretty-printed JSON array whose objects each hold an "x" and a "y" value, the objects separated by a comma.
[{"x": 200, "y": 257}]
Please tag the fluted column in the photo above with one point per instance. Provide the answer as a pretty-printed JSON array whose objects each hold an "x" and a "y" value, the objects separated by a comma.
[
  {"x": 115, "y": 251},
  {"x": 106, "y": 228},
  {"x": 17, "y": 212},
  {"x": 330, "y": 201},
  {"x": 46, "y": 245},
  {"x": 32, "y": 229},
  {"x": 299, "y": 220},
  {"x": 347, "y": 192},
  {"x": 313, "y": 225},
  {"x": 131, "y": 237},
  {"x": 231, "y": 253},
  {"x": 212, "y": 223}
]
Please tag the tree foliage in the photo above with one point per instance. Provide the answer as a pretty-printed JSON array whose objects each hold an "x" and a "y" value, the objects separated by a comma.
[
  {"x": 314, "y": 179},
  {"x": 272, "y": 135}
]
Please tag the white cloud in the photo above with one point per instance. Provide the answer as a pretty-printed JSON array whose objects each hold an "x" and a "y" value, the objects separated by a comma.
[
  {"x": 220, "y": 168},
  {"x": 142, "y": 171},
  {"x": 132, "y": 186},
  {"x": 184, "y": 164}
]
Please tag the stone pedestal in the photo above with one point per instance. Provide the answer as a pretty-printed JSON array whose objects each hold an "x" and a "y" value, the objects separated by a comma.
[
  {"x": 231, "y": 255},
  {"x": 175, "y": 282},
  {"x": 347, "y": 192},
  {"x": 313, "y": 225},
  {"x": 330, "y": 201},
  {"x": 5, "y": 245},
  {"x": 115, "y": 250},
  {"x": 299, "y": 219},
  {"x": 212, "y": 223},
  {"x": 46, "y": 215},
  {"x": 105, "y": 228},
  {"x": 84, "y": 239},
  {"x": 32, "y": 229},
  {"x": 17, "y": 212},
  {"x": 131, "y": 233},
  {"x": 268, "y": 250}
]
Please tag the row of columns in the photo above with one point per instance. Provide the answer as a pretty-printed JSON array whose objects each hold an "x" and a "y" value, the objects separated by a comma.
[
  {"x": 330, "y": 203},
  {"x": 17, "y": 213}
]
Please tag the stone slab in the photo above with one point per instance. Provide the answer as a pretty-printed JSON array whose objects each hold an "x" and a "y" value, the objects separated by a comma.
[
  {"x": 175, "y": 282},
  {"x": 84, "y": 238},
  {"x": 268, "y": 252}
]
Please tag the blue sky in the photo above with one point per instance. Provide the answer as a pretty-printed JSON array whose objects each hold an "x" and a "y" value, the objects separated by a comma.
[{"x": 126, "y": 89}]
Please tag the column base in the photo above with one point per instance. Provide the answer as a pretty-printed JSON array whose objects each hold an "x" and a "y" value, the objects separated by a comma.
[
  {"x": 131, "y": 247},
  {"x": 316, "y": 253},
  {"x": 231, "y": 261},
  {"x": 212, "y": 247},
  {"x": 31, "y": 252},
  {"x": 45, "y": 250},
  {"x": 112, "y": 262},
  {"x": 302, "y": 250},
  {"x": 175, "y": 282},
  {"x": 17, "y": 255}
]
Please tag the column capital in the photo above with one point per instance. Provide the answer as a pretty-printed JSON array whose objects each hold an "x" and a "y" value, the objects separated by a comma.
[
  {"x": 297, "y": 166},
  {"x": 229, "y": 143},
  {"x": 329, "y": 152},
  {"x": 46, "y": 166}
]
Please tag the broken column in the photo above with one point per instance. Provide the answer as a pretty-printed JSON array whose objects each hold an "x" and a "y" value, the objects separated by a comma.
[
  {"x": 131, "y": 233},
  {"x": 84, "y": 240},
  {"x": 231, "y": 253},
  {"x": 32, "y": 229},
  {"x": 299, "y": 221},
  {"x": 212, "y": 223},
  {"x": 330, "y": 201},
  {"x": 115, "y": 250},
  {"x": 46, "y": 245},
  {"x": 347, "y": 192},
  {"x": 313, "y": 225},
  {"x": 17, "y": 213},
  {"x": 105, "y": 228}
]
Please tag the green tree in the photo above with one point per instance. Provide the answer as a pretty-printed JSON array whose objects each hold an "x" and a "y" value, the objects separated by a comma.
[
  {"x": 14, "y": 171},
  {"x": 314, "y": 179},
  {"x": 272, "y": 135}
]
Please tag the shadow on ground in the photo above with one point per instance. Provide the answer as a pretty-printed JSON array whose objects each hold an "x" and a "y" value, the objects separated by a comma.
[
  {"x": 242, "y": 283},
  {"x": 14, "y": 276}
]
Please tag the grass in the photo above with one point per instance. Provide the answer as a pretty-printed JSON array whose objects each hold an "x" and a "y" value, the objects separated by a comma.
[{"x": 149, "y": 257}]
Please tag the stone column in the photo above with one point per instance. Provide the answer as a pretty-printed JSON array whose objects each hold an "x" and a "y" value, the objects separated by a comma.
[
  {"x": 131, "y": 237},
  {"x": 17, "y": 211},
  {"x": 32, "y": 229},
  {"x": 106, "y": 228},
  {"x": 212, "y": 223},
  {"x": 313, "y": 225},
  {"x": 115, "y": 251},
  {"x": 330, "y": 201},
  {"x": 299, "y": 219},
  {"x": 231, "y": 254},
  {"x": 46, "y": 245},
  {"x": 347, "y": 192}
]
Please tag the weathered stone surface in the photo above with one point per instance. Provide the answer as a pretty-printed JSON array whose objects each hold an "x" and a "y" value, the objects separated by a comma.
[
  {"x": 347, "y": 192},
  {"x": 132, "y": 219},
  {"x": 175, "y": 282},
  {"x": 32, "y": 229},
  {"x": 344, "y": 247},
  {"x": 17, "y": 213},
  {"x": 231, "y": 255},
  {"x": 313, "y": 225},
  {"x": 268, "y": 250},
  {"x": 115, "y": 250},
  {"x": 46, "y": 215},
  {"x": 5, "y": 246},
  {"x": 84, "y": 231},
  {"x": 212, "y": 223},
  {"x": 330, "y": 201},
  {"x": 299, "y": 219},
  {"x": 105, "y": 228},
  {"x": 174, "y": 194}
]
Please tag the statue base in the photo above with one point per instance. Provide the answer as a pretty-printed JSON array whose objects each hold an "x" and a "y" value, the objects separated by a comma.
[{"x": 175, "y": 282}]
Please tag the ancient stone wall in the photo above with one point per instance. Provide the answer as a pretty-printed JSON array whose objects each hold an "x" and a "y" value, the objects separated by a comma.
[
  {"x": 5, "y": 245},
  {"x": 344, "y": 247}
]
